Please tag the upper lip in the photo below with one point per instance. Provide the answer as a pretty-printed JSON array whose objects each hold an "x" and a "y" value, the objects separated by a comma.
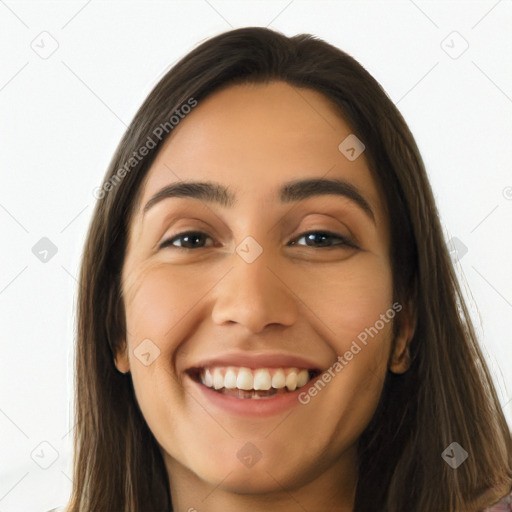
[{"x": 258, "y": 360}]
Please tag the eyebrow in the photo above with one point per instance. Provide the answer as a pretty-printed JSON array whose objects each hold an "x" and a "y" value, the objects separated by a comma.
[{"x": 292, "y": 191}]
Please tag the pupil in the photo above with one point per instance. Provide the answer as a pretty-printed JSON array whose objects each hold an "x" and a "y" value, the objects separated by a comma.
[
  {"x": 188, "y": 239},
  {"x": 323, "y": 237}
]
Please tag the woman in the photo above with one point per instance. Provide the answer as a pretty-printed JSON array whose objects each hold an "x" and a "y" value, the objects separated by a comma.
[{"x": 268, "y": 317}]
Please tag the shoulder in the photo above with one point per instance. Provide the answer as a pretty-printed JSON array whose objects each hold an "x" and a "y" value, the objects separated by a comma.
[
  {"x": 502, "y": 505},
  {"x": 58, "y": 509}
]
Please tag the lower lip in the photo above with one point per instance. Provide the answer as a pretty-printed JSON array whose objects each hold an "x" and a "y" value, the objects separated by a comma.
[{"x": 252, "y": 406}]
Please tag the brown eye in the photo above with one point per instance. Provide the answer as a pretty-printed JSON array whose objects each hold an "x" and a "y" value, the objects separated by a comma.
[
  {"x": 187, "y": 240},
  {"x": 322, "y": 239},
  {"x": 315, "y": 239}
]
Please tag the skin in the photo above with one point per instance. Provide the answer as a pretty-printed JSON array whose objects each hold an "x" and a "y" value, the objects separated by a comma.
[{"x": 301, "y": 299}]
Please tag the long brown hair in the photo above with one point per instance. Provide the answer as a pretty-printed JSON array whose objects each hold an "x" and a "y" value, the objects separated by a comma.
[{"x": 446, "y": 396}]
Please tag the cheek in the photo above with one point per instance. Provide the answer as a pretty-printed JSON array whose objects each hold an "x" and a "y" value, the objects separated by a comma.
[
  {"x": 348, "y": 297},
  {"x": 159, "y": 303},
  {"x": 162, "y": 308},
  {"x": 354, "y": 302},
  {"x": 158, "y": 298}
]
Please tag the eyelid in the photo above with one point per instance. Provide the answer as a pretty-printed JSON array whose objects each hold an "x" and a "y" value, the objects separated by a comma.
[
  {"x": 201, "y": 227},
  {"x": 166, "y": 242}
]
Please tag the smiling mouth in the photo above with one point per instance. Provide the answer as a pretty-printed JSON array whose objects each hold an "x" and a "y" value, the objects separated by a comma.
[{"x": 248, "y": 383}]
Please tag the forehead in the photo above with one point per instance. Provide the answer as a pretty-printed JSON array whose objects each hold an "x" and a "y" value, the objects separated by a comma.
[{"x": 254, "y": 137}]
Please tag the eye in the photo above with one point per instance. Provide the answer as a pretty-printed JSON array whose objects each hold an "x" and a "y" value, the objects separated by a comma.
[
  {"x": 321, "y": 239},
  {"x": 188, "y": 240},
  {"x": 318, "y": 239}
]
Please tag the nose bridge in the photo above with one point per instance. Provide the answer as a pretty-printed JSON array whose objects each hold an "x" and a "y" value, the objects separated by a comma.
[{"x": 252, "y": 293}]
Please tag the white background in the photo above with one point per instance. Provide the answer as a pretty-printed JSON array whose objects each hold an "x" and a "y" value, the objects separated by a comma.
[{"x": 62, "y": 117}]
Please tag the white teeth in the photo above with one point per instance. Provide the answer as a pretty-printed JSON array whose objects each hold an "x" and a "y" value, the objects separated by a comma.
[
  {"x": 291, "y": 381},
  {"x": 218, "y": 379},
  {"x": 230, "y": 379},
  {"x": 302, "y": 378},
  {"x": 261, "y": 379},
  {"x": 244, "y": 379},
  {"x": 279, "y": 379}
]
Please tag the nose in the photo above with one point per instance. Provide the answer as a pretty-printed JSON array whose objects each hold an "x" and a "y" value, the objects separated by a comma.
[{"x": 255, "y": 295}]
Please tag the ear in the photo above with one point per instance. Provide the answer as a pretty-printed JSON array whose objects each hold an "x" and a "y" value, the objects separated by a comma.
[
  {"x": 400, "y": 358},
  {"x": 121, "y": 359}
]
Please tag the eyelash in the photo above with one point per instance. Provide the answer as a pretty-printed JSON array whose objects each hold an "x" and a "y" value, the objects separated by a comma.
[{"x": 345, "y": 242}]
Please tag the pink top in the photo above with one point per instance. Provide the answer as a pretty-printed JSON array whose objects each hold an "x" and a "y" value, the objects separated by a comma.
[{"x": 503, "y": 505}]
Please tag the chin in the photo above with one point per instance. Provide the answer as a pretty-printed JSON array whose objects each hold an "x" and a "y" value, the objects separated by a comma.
[
  {"x": 265, "y": 477},
  {"x": 247, "y": 481}
]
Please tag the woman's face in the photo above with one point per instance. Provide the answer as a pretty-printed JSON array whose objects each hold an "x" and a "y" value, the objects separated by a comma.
[{"x": 258, "y": 292}]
